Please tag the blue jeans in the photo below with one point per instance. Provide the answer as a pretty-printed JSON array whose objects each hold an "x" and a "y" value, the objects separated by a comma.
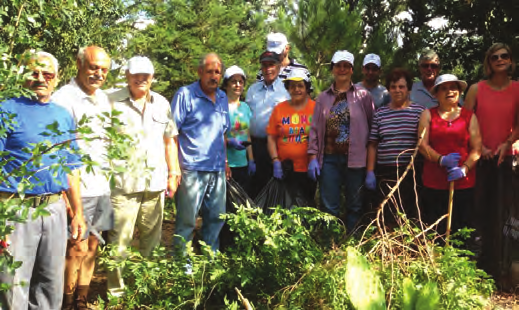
[
  {"x": 200, "y": 190},
  {"x": 334, "y": 174}
]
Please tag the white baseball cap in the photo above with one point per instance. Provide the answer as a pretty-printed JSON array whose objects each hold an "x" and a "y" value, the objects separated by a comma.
[
  {"x": 276, "y": 42},
  {"x": 342, "y": 56},
  {"x": 444, "y": 78},
  {"x": 140, "y": 64},
  {"x": 232, "y": 70},
  {"x": 297, "y": 75},
  {"x": 372, "y": 59}
]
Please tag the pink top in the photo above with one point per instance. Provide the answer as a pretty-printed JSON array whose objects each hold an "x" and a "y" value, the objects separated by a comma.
[
  {"x": 496, "y": 111},
  {"x": 447, "y": 137}
]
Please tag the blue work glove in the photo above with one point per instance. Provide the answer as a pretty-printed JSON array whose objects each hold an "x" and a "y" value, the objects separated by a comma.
[
  {"x": 278, "y": 171},
  {"x": 450, "y": 161},
  {"x": 456, "y": 173},
  {"x": 371, "y": 180},
  {"x": 235, "y": 143},
  {"x": 313, "y": 169},
  {"x": 252, "y": 167}
]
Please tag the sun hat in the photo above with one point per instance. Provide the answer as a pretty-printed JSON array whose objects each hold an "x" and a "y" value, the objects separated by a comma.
[
  {"x": 372, "y": 59},
  {"x": 140, "y": 64},
  {"x": 444, "y": 78},
  {"x": 297, "y": 75},
  {"x": 232, "y": 70},
  {"x": 343, "y": 56},
  {"x": 276, "y": 42}
]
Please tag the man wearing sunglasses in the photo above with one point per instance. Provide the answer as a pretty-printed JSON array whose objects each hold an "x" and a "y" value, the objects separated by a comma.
[
  {"x": 40, "y": 242},
  {"x": 83, "y": 97},
  {"x": 429, "y": 66}
]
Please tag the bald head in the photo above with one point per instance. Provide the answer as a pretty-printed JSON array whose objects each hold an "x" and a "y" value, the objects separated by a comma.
[{"x": 93, "y": 64}]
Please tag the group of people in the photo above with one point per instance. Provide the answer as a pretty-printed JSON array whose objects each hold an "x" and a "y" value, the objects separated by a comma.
[{"x": 355, "y": 139}]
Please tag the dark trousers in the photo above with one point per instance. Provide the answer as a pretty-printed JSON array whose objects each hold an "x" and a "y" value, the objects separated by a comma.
[
  {"x": 263, "y": 166},
  {"x": 302, "y": 187},
  {"x": 242, "y": 177},
  {"x": 435, "y": 204}
]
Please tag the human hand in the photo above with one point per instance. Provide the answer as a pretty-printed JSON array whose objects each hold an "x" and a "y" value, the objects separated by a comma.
[
  {"x": 77, "y": 227},
  {"x": 486, "y": 153},
  {"x": 456, "y": 173},
  {"x": 451, "y": 160},
  {"x": 236, "y": 144},
  {"x": 278, "y": 170},
  {"x": 501, "y": 151},
  {"x": 172, "y": 186},
  {"x": 371, "y": 180},
  {"x": 313, "y": 169},
  {"x": 252, "y": 167}
]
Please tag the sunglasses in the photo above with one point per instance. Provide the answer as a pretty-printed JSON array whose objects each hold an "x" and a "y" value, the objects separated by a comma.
[
  {"x": 430, "y": 66},
  {"x": 46, "y": 75},
  {"x": 504, "y": 56}
]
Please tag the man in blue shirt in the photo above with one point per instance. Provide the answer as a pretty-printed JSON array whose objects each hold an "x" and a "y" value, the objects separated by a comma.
[
  {"x": 40, "y": 242},
  {"x": 201, "y": 113},
  {"x": 429, "y": 65},
  {"x": 262, "y": 97},
  {"x": 371, "y": 69}
]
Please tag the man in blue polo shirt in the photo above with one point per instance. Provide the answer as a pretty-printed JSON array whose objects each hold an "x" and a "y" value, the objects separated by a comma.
[
  {"x": 262, "y": 97},
  {"x": 201, "y": 113},
  {"x": 40, "y": 242}
]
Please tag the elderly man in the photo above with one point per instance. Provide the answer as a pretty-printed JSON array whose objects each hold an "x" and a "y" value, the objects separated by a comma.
[
  {"x": 201, "y": 113},
  {"x": 138, "y": 193},
  {"x": 278, "y": 43},
  {"x": 40, "y": 243},
  {"x": 371, "y": 70},
  {"x": 429, "y": 64},
  {"x": 83, "y": 97},
  {"x": 262, "y": 97}
]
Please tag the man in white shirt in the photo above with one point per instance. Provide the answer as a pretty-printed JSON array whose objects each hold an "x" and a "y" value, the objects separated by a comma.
[{"x": 83, "y": 97}]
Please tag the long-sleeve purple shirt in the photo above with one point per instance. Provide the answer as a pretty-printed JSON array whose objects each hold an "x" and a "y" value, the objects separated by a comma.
[{"x": 361, "y": 108}]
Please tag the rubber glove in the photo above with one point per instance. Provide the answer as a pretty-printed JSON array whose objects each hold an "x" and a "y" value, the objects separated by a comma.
[
  {"x": 236, "y": 144},
  {"x": 252, "y": 167},
  {"x": 313, "y": 169},
  {"x": 371, "y": 180},
  {"x": 450, "y": 161},
  {"x": 278, "y": 171},
  {"x": 456, "y": 173}
]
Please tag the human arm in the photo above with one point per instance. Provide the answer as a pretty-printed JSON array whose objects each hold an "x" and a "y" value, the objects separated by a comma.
[
  {"x": 503, "y": 148},
  {"x": 425, "y": 149},
  {"x": 77, "y": 222},
  {"x": 250, "y": 157},
  {"x": 470, "y": 98},
  {"x": 273, "y": 152},
  {"x": 371, "y": 180},
  {"x": 174, "y": 174},
  {"x": 474, "y": 143}
]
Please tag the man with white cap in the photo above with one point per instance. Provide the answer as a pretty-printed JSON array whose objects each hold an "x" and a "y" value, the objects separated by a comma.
[
  {"x": 262, "y": 97},
  {"x": 152, "y": 168},
  {"x": 83, "y": 97},
  {"x": 371, "y": 69},
  {"x": 278, "y": 43}
]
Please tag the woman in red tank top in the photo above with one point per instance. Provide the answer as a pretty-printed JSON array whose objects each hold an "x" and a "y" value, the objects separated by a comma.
[
  {"x": 495, "y": 102},
  {"x": 451, "y": 147}
]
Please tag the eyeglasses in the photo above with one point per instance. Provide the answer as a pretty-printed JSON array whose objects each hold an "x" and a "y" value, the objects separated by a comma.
[
  {"x": 504, "y": 56},
  {"x": 46, "y": 75},
  {"x": 430, "y": 66}
]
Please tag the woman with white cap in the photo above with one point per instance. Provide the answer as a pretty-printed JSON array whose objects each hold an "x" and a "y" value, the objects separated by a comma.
[
  {"x": 338, "y": 139},
  {"x": 288, "y": 130},
  {"x": 451, "y": 147},
  {"x": 239, "y": 153}
]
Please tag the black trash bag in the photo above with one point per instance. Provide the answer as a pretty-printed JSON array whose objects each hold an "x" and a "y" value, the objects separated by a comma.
[{"x": 283, "y": 193}]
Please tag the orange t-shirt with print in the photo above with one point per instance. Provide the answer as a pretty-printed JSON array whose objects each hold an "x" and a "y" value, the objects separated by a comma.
[{"x": 291, "y": 128}]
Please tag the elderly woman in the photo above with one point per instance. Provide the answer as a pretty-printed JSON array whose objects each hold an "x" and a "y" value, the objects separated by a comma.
[
  {"x": 288, "y": 130},
  {"x": 338, "y": 139},
  {"x": 239, "y": 155},
  {"x": 495, "y": 101},
  {"x": 393, "y": 137},
  {"x": 451, "y": 147}
]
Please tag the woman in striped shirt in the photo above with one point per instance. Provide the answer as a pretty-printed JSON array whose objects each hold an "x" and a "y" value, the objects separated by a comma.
[{"x": 392, "y": 139}]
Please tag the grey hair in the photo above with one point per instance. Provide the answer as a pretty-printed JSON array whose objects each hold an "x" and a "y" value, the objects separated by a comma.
[
  {"x": 42, "y": 54},
  {"x": 430, "y": 55},
  {"x": 82, "y": 52},
  {"x": 203, "y": 60}
]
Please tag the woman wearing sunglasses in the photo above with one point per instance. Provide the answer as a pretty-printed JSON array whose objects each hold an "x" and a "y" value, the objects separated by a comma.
[
  {"x": 429, "y": 66},
  {"x": 495, "y": 102}
]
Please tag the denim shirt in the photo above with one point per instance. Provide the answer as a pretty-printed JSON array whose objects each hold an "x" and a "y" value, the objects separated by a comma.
[
  {"x": 202, "y": 125},
  {"x": 421, "y": 96},
  {"x": 262, "y": 99}
]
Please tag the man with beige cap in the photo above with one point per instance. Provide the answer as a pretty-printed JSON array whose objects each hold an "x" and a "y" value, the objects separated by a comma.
[{"x": 152, "y": 168}]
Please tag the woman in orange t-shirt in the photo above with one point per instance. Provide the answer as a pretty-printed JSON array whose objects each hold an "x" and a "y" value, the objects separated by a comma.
[{"x": 288, "y": 130}]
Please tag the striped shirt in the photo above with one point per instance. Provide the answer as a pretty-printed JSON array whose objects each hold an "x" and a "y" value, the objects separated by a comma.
[
  {"x": 395, "y": 131},
  {"x": 286, "y": 70}
]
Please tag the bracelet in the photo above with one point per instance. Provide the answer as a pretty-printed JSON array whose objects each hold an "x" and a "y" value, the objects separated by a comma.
[
  {"x": 466, "y": 165},
  {"x": 440, "y": 160}
]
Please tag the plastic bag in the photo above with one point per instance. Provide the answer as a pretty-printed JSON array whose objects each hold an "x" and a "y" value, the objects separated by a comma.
[{"x": 236, "y": 196}]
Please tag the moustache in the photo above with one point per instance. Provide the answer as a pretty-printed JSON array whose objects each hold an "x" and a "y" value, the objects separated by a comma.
[
  {"x": 96, "y": 77},
  {"x": 39, "y": 84}
]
